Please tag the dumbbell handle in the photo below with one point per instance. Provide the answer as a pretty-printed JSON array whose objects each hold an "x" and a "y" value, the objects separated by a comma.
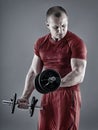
[
  {"x": 6, "y": 102},
  {"x": 10, "y": 102}
]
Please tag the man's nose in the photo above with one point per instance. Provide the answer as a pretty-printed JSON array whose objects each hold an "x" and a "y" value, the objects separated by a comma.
[{"x": 59, "y": 30}]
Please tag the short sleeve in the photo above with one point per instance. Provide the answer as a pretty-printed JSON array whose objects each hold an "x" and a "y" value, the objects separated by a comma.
[
  {"x": 36, "y": 47},
  {"x": 79, "y": 50},
  {"x": 38, "y": 44}
]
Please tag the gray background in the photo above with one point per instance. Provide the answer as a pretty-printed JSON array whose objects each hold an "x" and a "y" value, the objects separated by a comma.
[{"x": 21, "y": 23}]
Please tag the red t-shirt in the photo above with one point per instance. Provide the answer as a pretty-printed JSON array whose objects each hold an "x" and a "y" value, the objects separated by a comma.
[{"x": 57, "y": 55}]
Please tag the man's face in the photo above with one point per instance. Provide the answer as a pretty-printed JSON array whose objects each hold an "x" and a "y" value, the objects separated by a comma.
[{"x": 58, "y": 26}]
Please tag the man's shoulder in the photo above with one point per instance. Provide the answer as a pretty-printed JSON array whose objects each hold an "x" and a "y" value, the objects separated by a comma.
[
  {"x": 43, "y": 38},
  {"x": 73, "y": 37},
  {"x": 75, "y": 41}
]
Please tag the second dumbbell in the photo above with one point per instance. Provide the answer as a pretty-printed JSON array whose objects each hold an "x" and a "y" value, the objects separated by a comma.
[{"x": 13, "y": 102}]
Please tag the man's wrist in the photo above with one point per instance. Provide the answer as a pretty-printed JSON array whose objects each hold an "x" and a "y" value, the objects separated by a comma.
[{"x": 25, "y": 96}]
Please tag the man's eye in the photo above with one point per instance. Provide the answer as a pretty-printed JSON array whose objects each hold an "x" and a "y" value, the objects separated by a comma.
[{"x": 63, "y": 26}]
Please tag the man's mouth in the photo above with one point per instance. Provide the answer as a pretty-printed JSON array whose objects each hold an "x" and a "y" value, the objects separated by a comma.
[{"x": 60, "y": 35}]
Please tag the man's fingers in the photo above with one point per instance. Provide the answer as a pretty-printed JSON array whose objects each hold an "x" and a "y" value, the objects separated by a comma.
[{"x": 23, "y": 105}]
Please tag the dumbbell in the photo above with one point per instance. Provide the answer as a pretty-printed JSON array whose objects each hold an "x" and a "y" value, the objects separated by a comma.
[
  {"x": 47, "y": 81},
  {"x": 13, "y": 102}
]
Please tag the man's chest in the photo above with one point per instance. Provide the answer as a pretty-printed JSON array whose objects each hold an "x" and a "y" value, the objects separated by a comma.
[{"x": 55, "y": 53}]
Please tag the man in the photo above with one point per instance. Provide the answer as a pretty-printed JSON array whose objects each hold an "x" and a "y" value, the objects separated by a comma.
[{"x": 64, "y": 52}]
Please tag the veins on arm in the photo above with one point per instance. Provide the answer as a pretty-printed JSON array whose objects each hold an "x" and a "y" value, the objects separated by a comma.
[
  {"x": 77, "y": 74},
  {"x": 34, "y": 69}
]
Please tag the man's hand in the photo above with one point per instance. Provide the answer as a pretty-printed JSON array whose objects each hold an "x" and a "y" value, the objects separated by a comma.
[{"x": 23, "y": 103}]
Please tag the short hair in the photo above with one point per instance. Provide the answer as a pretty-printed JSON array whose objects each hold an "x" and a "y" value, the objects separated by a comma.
[{"x": 56, "y": 11}]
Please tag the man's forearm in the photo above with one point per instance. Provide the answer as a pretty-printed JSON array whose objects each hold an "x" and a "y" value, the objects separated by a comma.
[
  {"x": 72, "y": 78},
  {"x": 29, "y": 85}
]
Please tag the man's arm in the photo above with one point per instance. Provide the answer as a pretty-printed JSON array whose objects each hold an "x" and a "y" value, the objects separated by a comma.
[
  {"x": 35, "y": 68},
  {"x": 77, "y": 74}
]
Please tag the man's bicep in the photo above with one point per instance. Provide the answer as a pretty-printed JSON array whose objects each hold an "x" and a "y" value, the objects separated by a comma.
[
  {"x": 78, "y": 64},
  {"x": 37, "y": 64}
]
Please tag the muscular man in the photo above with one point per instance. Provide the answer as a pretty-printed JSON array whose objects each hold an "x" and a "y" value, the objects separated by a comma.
[{"x": 64, "y": 52}]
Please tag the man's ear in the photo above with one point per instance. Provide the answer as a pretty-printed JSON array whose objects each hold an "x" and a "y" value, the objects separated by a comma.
[{"x": 47, "y": 24}]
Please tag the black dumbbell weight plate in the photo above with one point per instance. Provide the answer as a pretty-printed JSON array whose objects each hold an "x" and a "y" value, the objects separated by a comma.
[
  {"x": 38, "y": 87},
  {"x": 13, "y": 103},
  {"x": 45, "y": 80},
  {"x": 32, "y": 107}
]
